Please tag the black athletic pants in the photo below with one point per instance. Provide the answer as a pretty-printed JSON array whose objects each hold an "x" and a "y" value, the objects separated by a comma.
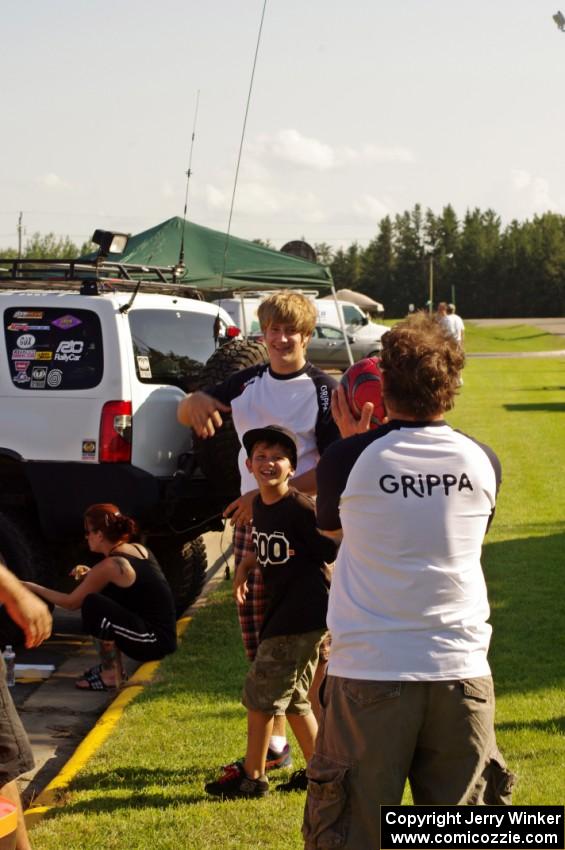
[{"x": 107, "y": 620}]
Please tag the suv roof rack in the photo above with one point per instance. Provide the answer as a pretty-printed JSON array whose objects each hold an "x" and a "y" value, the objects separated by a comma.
[{"x": 91, "y": 277}]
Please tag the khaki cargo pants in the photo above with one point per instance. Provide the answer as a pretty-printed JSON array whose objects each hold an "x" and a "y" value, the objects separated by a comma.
[{"x": 373, "y": 736}]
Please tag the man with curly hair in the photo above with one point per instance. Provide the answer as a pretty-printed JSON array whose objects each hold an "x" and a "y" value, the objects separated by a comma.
[{"x": 409, "y": 693}]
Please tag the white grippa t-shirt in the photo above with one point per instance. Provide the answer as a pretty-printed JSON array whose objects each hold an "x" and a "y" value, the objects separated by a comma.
[{"x": 408, "y": 599}]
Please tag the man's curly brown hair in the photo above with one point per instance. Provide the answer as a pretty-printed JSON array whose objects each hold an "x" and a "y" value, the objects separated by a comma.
[{"x": 421, "y": 364}]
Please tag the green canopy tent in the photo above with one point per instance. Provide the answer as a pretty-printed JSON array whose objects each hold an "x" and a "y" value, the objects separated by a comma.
[{"x": 247, "y": 264}]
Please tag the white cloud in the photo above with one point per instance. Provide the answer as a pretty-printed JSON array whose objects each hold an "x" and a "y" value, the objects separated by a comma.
[
  {"x": 534, "y": 192},
  {"x": 215, "y": 198},
  {"x": 292, "y": 146},
  {"x": 167, "y": 190},
  {"x": 266, "y": 199},
  {"x": 370, "y": 209},
  {"x": 376, "y": 153},
  {"x": 53, "y": 181},
  {"x": 521, "y": 179}
]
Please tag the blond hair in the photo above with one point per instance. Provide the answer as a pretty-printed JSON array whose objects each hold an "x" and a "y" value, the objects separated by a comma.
[{"x": 288, "y": 308}]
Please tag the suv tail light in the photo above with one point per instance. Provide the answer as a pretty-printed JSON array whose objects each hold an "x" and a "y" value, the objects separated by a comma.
[
  {"x": 232, "y": 331},
  {"x": 115, "y": 432}
]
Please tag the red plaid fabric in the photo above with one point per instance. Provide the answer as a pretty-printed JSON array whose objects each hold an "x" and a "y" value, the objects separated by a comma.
[{"x": 252, "y": 612}]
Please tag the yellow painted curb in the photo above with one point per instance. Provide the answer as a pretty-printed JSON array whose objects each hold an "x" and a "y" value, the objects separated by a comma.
[{"x": 53, "y": 793}]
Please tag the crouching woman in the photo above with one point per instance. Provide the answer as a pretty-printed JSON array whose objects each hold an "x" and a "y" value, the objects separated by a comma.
[{"x": 125, "y": 600}]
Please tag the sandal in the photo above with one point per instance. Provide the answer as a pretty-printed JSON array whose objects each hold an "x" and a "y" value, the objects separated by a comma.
[
  {"x": 94, "y": 682},
  {"x": 97, "y": 671}
]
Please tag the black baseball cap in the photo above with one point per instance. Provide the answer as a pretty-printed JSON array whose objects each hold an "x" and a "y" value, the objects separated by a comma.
[{"x": 272, "y": 434}]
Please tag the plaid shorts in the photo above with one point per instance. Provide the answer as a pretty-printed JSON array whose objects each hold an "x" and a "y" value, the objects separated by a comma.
[{"x": 252, "y": 612}]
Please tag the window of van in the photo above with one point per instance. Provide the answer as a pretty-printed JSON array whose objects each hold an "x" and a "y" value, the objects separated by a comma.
[
  {"x": 53, "y": 349},
  {"x": 171, "y": 346},
  {"x": 351, "y": 315}
]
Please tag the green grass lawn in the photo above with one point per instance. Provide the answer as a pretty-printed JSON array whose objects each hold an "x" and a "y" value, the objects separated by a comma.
[
  {"x": 144, "y": 789},
  {"x": 504, "y": 338},
  {"x": 509, "y": 338}
]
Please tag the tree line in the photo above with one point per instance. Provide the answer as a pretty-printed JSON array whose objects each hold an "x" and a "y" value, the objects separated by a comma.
[
  {"x": 47, "y": 247},
  {"x": 486, "y": 269}
]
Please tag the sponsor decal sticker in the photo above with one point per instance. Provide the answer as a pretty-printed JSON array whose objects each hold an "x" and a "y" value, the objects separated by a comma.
[
  {"x": 25, "y": 341},
  {"x": 38, "y": 377},
  {"x": 28, "y": 314},
  {"x": 21, "y": 365},
  {"x": 23, "y": 326},
  {"x": 21, "y": 378},
  {"x": 89, "y": 449},
  {"x": 54, "y": 378},
  {"x": 43, "y": 355},
  {"x": 144, "y": 366},
  {"x": 69, "y": 349},
  {"x": 66, "y": 322},
  {"x": 21, "y": 354}
]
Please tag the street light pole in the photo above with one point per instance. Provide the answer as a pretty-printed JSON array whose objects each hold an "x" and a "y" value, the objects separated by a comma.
[{"x": 431, "y": 282}]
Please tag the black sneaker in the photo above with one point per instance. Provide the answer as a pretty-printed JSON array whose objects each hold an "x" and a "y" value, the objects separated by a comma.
[
  {"x": 297, "y": 782},
  {"x": 234, "y": 782},
  {"x": 277, "y": 760},
  {"x": 274, "y": 760}
]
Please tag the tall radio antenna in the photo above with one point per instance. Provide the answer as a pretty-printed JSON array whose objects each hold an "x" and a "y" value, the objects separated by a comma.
[
  {"x": 180, "y": 267},
  {"x": 241, "y": 142}
]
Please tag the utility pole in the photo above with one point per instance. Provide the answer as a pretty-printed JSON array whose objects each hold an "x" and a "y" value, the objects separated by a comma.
[
  {"x": 431, "y": 283},
  {"x": 20, "y": 217}
]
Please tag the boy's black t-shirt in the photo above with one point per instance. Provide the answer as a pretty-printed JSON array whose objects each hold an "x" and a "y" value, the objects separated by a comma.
[{"x": 293, "y": 556}]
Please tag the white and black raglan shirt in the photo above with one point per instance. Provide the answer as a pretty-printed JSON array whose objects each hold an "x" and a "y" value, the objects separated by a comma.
[
  {"x": 408, "y": 598},
  {"x": 299, "y": 401}
]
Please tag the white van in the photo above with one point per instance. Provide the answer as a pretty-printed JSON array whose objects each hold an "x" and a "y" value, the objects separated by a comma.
[{"x": 243, "y": 312}]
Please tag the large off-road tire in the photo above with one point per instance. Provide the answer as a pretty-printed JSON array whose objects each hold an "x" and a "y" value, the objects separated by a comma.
[
  {"x": 22, "y": 557},
  {"x": 184, "y": 564},
  {"x": 218, "y": 456}
]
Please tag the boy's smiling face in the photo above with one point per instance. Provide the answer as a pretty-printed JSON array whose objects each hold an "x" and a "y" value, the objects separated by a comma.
[
  {"x": 286, "y": 346},
  {"x": 270, "y": 465}
]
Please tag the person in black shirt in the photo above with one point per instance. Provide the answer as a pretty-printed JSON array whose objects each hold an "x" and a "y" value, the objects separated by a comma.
[
  {"x": 293, "y": 557},
  {"x": 125, "y": 600}
]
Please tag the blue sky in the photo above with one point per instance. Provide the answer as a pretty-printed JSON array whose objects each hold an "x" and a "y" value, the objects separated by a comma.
[{"x": 359, "y": 109}]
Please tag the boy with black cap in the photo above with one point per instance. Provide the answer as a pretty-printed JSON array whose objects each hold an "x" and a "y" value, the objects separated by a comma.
[{"x": 294, "y": 558}]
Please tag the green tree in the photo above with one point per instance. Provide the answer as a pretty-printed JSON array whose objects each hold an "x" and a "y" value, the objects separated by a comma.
[
  {"x": 377, "y": 266},
  {"x": 50, "y": 246},
  {"x": 346, "y": 267},
  {"x": 324, "y": 253}
]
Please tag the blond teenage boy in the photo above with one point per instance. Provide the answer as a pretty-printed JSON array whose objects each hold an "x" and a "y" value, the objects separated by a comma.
[{"x": 287, "y": 390}]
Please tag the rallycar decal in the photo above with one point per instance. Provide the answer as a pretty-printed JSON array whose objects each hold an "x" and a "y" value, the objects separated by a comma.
[{"x": 69, "y": 349}]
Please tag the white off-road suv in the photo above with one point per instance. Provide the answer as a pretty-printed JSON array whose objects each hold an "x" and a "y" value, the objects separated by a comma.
[{"x": 93, "y": 361}]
